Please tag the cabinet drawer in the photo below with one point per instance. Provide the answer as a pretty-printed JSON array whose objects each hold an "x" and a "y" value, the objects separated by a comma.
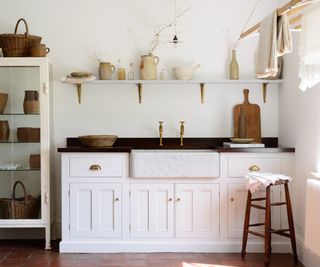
[
  {"x": 96, "y": 167},
  {"x": 239, "y": 167}
]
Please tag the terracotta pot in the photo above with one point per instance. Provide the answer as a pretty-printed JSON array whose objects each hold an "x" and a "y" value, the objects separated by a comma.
[
  {"x": 23, "y": 134},
  {"x": 3, "y": 102},
  {"x": 35, "y": 161},
  {"x": 4, "y": 131},
  {"x": 39, "y": 50},
  {"x": 31, "y": 102},
  {"x": 34, "y": 135},
  {"x": 148, "y": 67}
]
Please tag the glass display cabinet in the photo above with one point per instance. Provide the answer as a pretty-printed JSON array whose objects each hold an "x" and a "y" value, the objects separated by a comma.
[{"x": 25, "y": 87}]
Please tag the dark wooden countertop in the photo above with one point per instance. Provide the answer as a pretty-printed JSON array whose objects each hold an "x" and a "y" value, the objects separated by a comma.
[{"x": 127, "y": 144}]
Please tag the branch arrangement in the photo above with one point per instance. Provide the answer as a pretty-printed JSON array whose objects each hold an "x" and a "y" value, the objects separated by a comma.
[{"x": 158, "y": 30}]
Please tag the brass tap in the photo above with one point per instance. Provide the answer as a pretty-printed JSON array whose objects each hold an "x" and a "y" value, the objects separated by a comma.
[
  {"x": 160, "y": 132},
  {"x": 181, "y": 132}
]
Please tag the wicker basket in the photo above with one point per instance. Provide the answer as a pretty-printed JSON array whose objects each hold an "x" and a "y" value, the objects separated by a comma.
[
  {"x": 26, "y": 207},
  {"x": 18, "y": 45}
]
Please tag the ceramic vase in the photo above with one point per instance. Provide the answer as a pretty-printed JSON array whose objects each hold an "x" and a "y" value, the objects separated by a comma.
[
  {"x": 4, "y": 131},
  {"x": 234, "y": 67},
  {"x": 31, "y": 102},
  {"x": 148, "y": 67},
  {"x": 3, "y": 102}
]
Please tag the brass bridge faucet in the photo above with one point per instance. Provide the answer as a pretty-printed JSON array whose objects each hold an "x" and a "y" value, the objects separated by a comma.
[
  {"x": 160, "y": 132},
  {"x": 181, "y": 132}
]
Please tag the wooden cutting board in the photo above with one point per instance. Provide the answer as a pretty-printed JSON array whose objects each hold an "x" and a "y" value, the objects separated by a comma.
[{"x": 252, "y": 118}]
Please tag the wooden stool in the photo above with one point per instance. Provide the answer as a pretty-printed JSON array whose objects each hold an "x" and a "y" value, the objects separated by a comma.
[{"x": 267, "y": 224}]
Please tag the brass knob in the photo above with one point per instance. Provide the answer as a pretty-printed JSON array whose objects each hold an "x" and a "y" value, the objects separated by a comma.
[
  {"x": 117, "y": 199},
  {"x": 232, "y": 199},
  {"x": 170, "y": 199},
  {"x": 178, "y": 199},
  {"x": 95, "y": 167},
  {"x": 254, "y": 168}
]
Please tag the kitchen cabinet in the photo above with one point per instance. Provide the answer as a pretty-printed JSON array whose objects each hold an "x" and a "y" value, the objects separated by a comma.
[
  {"x": 94, "y": 203},
  {"x": 95, "y": 210},
  {"x": 104, "y": 209},
  {"x": 152, "y": 210},
  {"x": 25, "y": 154},
  {"x": 237, "y": 167},
  {"x": 237, "y": 201},
  {"x": 197, "y": 210},
  {"x": 192, "y": 211}
]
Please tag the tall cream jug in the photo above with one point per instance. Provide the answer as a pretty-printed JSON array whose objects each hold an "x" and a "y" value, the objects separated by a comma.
[
  {"x": 105, "y": 70},
  {"x": 148, "y": 67}
]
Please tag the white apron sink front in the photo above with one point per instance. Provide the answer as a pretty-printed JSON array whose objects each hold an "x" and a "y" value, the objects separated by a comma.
[{"x": 174, "y": 164}]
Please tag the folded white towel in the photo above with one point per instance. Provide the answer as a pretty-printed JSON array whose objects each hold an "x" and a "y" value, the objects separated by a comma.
[
  {"x": 284, "y": 41},
  {"x": 309, "y": 49},
  {"x": 257, "y": 180},
  {"x": 275, "y": 40},
  {"x": 267, "y": 62}
]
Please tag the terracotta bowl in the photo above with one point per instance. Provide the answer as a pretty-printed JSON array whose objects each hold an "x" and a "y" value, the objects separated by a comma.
[{"x": 98, "y": 140}]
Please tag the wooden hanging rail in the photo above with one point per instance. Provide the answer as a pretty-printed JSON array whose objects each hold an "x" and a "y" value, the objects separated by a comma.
[{"x": 291, "y": 8}]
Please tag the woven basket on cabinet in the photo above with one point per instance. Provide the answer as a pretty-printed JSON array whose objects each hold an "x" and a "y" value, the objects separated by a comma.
[{"x": 18, "y": 45}]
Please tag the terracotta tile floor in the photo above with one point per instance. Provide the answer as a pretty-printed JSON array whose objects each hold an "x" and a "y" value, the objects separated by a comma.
[{"x": 32, "y": 254}]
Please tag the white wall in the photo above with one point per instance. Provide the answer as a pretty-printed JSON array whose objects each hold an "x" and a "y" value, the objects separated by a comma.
[
  {"x": 70, "y": 27},
  {"x": 299, "y": 127}
]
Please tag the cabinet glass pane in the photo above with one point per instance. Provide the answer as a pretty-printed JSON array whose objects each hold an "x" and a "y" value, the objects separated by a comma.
[{"x": 20, "y": 144}]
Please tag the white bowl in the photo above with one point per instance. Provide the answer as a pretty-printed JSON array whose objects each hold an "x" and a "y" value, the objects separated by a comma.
[{"x": 184, "y": 72}]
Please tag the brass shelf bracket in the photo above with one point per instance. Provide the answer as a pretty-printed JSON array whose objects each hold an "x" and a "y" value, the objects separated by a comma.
[
  {"x": 140, "y": 92},
  {"x": 264, "y": 91},
  {"x": 79, "y": 92},
  {"x": 202, "y": 89}
]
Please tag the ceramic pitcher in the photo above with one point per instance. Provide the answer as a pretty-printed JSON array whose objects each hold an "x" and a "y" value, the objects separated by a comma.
[
  {"x": 105, "y": 70},
  {"x": 148, "y": 67}
]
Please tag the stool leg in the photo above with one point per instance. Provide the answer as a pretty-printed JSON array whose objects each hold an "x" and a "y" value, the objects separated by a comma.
[
  {"x": 291, "y": 224},
  {"x": 267, "y": 231},
  {"x": 246, "y": 225}
]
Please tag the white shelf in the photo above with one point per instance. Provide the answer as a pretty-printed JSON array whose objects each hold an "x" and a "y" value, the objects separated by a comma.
[{"x": 156, "y": 82}]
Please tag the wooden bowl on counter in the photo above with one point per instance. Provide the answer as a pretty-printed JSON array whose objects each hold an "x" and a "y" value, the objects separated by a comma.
[{"x": 98, "y": 140}]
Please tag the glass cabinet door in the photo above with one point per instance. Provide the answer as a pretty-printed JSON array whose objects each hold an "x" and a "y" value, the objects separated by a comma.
[{"x": 20, "y": 149}]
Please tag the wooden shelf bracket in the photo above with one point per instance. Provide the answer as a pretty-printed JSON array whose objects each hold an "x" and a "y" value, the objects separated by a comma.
[
  {"x": 264, "y": 91},
  {"x": 140, "y": 92},
  {"x": 202, "y": 89}
]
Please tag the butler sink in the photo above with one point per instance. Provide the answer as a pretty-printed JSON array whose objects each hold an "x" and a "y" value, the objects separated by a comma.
[{"x": 174, "y": 164}]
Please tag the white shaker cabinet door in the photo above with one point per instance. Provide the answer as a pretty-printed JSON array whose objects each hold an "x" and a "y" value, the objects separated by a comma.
[
  {"x": 151, "y": 212},
  {"x": 237, "y": 201},
  {"x": 197, "y": 210},
  {"x": 95, "y": 210}
]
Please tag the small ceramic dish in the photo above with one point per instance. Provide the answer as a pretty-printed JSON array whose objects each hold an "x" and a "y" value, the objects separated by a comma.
[
  {"x": 242, "y": 140},
  {"x": 80, "y": 74}
]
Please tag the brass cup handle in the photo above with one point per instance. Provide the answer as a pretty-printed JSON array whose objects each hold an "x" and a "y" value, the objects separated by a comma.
[
  {"x": 170, "y": 199},
  {"x": 254, "y": 168},
  {"x": 178, "y": 199},
  {"x": 117, "y": 199},
  {"x": 95, "y": 167},
  {"x": 232, "y": 199}
]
